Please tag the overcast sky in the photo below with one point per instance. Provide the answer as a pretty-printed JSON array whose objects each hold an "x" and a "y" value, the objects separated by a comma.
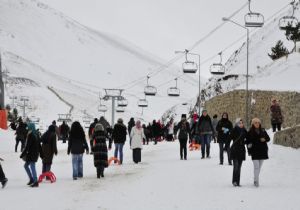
[{"x": 163, "y": 26}]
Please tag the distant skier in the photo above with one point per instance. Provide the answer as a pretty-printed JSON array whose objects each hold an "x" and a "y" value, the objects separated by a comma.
[
  {"x": 237, "y": 150},
  {"x": 119, "y": 138},
  {"x": 224, "y": 127},
  {"x": 136, "y": 141},
  {"x": 99, "y": 149},
  {"x": 257, "y": 139},
  {"x": 184, "y": 133},
  {"x": 64, "y": 130},
  {"x": 276, "y": 115},
  {"x": 76, "y": 146},
  {"x": 21, "y": 133}
]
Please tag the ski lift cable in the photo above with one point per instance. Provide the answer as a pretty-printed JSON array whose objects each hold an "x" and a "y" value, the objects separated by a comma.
[{"x": 176, "y": 58}]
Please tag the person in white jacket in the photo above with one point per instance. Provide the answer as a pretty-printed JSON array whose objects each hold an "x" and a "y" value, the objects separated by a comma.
[{"x": 136, "y": 142}]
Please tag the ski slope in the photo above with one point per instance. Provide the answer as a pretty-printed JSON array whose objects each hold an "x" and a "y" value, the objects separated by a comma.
[{"x": 161, "y": 181}]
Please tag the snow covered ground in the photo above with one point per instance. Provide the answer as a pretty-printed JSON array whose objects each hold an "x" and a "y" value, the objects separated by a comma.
[{"x": 161, "y": 181}]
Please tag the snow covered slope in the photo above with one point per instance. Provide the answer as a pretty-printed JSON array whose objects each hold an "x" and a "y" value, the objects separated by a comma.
[{"x": 33, "y": 34}]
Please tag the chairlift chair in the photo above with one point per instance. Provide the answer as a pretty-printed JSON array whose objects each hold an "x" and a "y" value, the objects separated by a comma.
[
  {"x": 120, "y": 109},
  {"x": 122, "y": 103},
  {"x": 218, "y": 68},
  {"x": 64, "y": 117},
  {"x": 287, "y": 21},
  {"x": 254, "y": 19},
  {"x": 143, "y": 103},
  {"x": 189, "y": 67},
  {"x": 149, "y": 89},
  {"x": 102, "y": 108},
  {"x": 174, "y": 91}
]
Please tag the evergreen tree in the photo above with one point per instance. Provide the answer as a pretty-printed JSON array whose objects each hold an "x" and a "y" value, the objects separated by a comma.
[
  {"x": 278, "y": 51},
  {"x": 293, "y": 33}
]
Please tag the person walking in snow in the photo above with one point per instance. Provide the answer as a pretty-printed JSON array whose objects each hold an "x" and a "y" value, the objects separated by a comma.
[
  {"x": 257, "y": 139},
  {"x": 76, "y": 146},
  {"x": 91, "y": 131},
  {"x": 31, "y": 154},
  {"x": 64, "y": 130},
  {"x": 276, "y": 115},
  {"x": 224, "y": 127},
  {"x": 21, "y": 133},
  {"x": 170, "y": 130},
  {"x": 131, "y": 124},
  {"x": 56, "y": 128},
  {"x": 3, "y": 179},
  {"x": 184, "y": 133},
  {"x": 237, "y": 150},
  {"x": 215, "y": 123},
  {"x": 136, "y": 141},
  {"x": 99, "y": 149},
  {"x": 206, "y": 132},
  {"x": 119, "y": 138},
  {"x": 49, "y": 148}
]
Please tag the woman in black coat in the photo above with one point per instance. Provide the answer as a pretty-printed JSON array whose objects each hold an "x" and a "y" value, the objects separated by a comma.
[
  {"x": 49, "y": 147},
  {"x": 76, "y": 146},
  {"x": 257, "y": 139},
  {"x": 31, "y": 154},
  {"x": 237, "y": 150},
  {"x": 100, "y": 150}
]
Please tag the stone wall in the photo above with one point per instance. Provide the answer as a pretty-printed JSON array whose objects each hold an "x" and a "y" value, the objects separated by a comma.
[
  {"x": 289, "y": 137},
  {"x": 259, "y": 104}
]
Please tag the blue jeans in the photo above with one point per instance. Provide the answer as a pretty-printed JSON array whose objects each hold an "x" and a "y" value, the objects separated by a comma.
[
  {"x": 119, "y": 149},
  {"x": 77, "y": 165},
  {"x": 30, "y": 170},
  {"x": 205, "y": 143}
]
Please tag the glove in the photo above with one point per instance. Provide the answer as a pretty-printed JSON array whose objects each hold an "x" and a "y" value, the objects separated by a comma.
[{"x": 226, "y": 130}]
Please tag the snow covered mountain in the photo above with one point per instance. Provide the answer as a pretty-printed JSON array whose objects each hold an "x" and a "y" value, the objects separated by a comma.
[{"x": 43, "y": 45}]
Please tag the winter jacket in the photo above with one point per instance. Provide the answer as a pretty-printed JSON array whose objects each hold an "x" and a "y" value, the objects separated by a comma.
[
  {"x": 131, "y": 124},
  {"x": 77, "y": 145},
  {"x": 21, "y": 131},
  {"x": 49, "y": 146},
  {"x": 156, "y": 130},
  {"x": 32, "y": 148},
  {"x": 100, "y": 149},
  {"x": 137, "y": 136},
  {"x": 237, "y": 149},
  {"x": 276, "y": 115},
  {"x": 257, "y": 148},
  {"x": 205, "y": 125},
  {"x": 183, "y": 130},
  {"x": 223, "y": 135},
  {"x": 119, "y": 133},
  {"x": 64, "y": 130}
]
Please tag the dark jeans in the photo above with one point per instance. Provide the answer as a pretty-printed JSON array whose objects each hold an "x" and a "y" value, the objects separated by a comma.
[
  {"x": 30, "y": 170},
  {"x": 22, "y": 144},
  {"x": 222, "y": 149},
  {"x": 46, "y": 167},
  {"x": 2, "y": 175},
  {"x": 276, "y": 125},
  {"x": 183, "y": 149},
  {"x": 237, "y": 165},
  {"x": 119, "y": 150},
  {"x": 136, "y": 155},
  {"x": 205, "y": 143}
]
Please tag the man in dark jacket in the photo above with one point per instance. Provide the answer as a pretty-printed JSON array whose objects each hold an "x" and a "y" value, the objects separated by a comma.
[
  {"x": 131, "y": 124},
  {"x": 183, "y": 128},
  {"x": 224, "y": 128},
  {"x": 64, "y": 130},
  {"x": 21, "y": 133},
  {"x": 119, "y": 138},
  {"x": 156, "y": 130},
  {"x": 206, "y": 132},
  {"x": 276, "y": 115},
  {"x": 49, "y": 148}
]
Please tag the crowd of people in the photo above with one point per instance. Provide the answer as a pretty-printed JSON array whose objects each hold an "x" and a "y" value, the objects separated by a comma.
[{"x": 235, "y": 140}]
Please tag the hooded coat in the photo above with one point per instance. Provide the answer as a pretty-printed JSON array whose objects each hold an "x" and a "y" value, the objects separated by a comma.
[
  {"x": 49, "y": 145},
  {"x": 99, "y": 147}
]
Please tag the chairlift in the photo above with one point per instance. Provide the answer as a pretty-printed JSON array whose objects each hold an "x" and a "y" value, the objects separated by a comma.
[
  {"x": 149, "y": 89},
  {"x": 254, "y": 19},
  {"x": 122, "y": 103},
  {"x": 120, "y": 109},
  {"x": 189, "y": 67},
  {"x": 143, "y": 103},
  {"x": 64, "y": 117},
  {"x": 289, "y": 21},
  {"x": 102, "y": 108},
  {"x": 218, "y": 68},
  {"x": 174, "y": 91}
]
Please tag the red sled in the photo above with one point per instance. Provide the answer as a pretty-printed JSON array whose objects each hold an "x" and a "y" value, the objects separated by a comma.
[{"x": 50, "y": 175}]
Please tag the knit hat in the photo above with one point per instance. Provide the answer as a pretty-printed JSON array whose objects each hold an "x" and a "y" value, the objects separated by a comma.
[
  {"x": 99, "y": 127},
  {"x": 183, "y": 116},
  {"x": 254, "y": 120},
  {"x": 204, "y": 110}
]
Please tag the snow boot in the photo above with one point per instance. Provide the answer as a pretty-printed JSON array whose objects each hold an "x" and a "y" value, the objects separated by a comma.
[
  {"x": 30, "y": 182},
  {"x": 35, "y": 184}
]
